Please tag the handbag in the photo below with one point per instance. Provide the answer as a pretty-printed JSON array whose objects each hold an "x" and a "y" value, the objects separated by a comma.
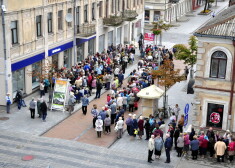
[
  {"x": 116, "y": 128},
  {"x": 135, "y": 131}
]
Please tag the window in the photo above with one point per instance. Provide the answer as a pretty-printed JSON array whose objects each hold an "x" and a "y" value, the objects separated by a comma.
[
  {"x": 156, "y": 16},
  {"x": 127, "y": 4},
  {"x": 49, "y": 22},
  {"x": 60, "y": 20},
  {"x": 14, "y": 32},
  {"x": 93, "y": 11},
  {"x": 70, "y": 12},
  {"x": 215, "y": 115},
  {"x": 218, "y": 65},
  {"x": 118, "y": 5},
  {"x": 123, "y": 5},
  {"x": 85, "y": 13},
  {"x": 78, "y": 19},
  {"x": 146, "y": 15},
  {"x": 18, "y": 80},
  {"x": 39, "y": 25},
  {"x": 113, "y": 5},
  {"x": 107, "y": 8},
  {"x": 100, "y": 8}
]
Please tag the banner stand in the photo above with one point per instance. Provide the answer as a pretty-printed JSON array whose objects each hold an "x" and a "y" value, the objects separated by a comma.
[{"x": 60, "y": 95}]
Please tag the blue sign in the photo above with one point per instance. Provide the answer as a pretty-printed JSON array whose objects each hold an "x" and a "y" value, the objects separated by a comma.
[
  {"x": 186, "y": 109},
  {"x": 58, "y": 49}
]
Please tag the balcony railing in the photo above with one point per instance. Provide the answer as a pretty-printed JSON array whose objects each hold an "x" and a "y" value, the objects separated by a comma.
[
  {"x": 113, "y": 21},
  {"x": 129, "y": 15},
  {"x": 86, "y": 30}
]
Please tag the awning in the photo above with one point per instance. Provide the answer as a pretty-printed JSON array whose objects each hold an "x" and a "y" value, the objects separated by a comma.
[{"x": 151, "y": 92}]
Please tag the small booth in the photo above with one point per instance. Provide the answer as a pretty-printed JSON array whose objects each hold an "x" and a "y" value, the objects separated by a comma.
[{"x": 150, "y": 97}]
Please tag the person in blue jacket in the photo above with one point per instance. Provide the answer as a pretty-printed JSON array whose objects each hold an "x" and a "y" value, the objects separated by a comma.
[{"x": 168, "y": 145}]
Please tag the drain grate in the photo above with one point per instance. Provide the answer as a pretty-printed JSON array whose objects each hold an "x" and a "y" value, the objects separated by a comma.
[{"x": 4, "y": 118}]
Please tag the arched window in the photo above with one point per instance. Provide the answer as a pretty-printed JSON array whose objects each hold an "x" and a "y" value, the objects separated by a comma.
[{"x": 218, "y": 65}]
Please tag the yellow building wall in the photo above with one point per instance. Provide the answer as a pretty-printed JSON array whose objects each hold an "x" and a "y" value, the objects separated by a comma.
[{"x": 16, "y": 5}]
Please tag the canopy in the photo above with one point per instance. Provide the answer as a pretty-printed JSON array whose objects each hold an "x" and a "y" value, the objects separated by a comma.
[{"x": 151, "y": 92}]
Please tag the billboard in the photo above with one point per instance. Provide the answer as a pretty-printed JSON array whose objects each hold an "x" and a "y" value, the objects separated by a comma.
[{"x": 149, "y": 36}]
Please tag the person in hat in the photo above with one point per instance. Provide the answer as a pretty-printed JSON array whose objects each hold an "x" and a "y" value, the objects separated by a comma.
[
  {"x": 99, "y": 126},
  {"x": 8, "y": 103}
]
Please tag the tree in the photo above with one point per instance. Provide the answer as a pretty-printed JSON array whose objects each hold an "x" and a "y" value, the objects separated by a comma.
[
  {"x": 188, "y": 54},
  {"x": 46, "y": 71},
  {"x": 167, "y": 77},
  {"x": 159, "y": 27}
]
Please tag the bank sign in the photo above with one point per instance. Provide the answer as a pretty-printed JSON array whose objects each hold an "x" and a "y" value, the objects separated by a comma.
[{"x": 58, "y": 49}]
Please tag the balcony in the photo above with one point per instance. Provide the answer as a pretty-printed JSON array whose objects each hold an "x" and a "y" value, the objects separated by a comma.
[
  {"x": 129, "y": 15},
  {"x": 86, "y": 30},
  {"x": 113, "y": 21}
]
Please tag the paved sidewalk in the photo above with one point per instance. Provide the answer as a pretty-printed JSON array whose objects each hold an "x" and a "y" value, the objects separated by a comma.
[{"x": 20, "y": 120}]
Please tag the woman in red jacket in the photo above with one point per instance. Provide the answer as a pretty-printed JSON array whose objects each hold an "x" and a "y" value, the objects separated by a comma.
[
  {"x": 231, "y": 149},
  {"x": 141, "y": 127}
]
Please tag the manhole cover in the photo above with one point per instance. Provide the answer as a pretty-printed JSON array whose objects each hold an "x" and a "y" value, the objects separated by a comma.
[
  {"x": 27, "y": 157},
  {"x": 4, "y": 118}
]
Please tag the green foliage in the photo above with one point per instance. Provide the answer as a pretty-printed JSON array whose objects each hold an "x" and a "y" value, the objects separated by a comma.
[
  {"x": 160, "y": 25},
  {"x": 189, "y": 55}
]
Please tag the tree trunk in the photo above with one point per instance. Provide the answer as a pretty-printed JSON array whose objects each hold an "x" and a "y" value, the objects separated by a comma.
[{"x": 191, "y": 72}]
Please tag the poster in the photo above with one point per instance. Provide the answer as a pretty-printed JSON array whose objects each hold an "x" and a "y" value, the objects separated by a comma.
[
  {"x": 148, "y": 36},
  {"x": 59, "y": 95}
]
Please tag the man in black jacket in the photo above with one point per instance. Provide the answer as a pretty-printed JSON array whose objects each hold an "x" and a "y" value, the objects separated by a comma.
[
  {"x": 98, "y": 89},
  {"x": 168, "y": 145}
]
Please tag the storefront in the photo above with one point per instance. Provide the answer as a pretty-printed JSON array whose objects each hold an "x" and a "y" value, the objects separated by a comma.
[
  {"x": 80, "y": 52},
  {"x": 18, "y": 81},
  {"x": 91, "y": 46},
  {"x": 215, "y": 113},
  {"x": 67, "y": 58},
  {"x": 101, "y": 43},
  {"x": 55, "y": 60}
]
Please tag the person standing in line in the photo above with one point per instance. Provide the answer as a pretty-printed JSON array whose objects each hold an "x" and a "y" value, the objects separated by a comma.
[
  {"x": 85, "y": 103},
  {"x": 176, "y": 135},
  {"x": 99, "y": 126},
  {"x": 44, "y": 110},
  {"x": 124, "y": 102},
  {"x": 95, "y": 114},
  {"x": 120, "y": 125},
  {"x": 176, "y": 110},
  {"x": 180, "y": 145},
  {"x": 141, "y": 127},
  {"x": 107, "y": 124},
  {"x": 131, "y": 102},
  {"x": 32, "y": 106},
  {"x": 113, "y": 108},
  {"x": 71, "y": 104},
  {"x": 186, "y": 143},
  {"x": 150, "y": 149},
  {"x": 8, "y": 103},
  {"x": 128, "y": 123},
  {"x": 39, "y": 108},
  {"x": 231, "y": 150},
  {"x": 42, "y": 89},
  {"x": 98, "y": 89},
  {"x": 220, "y": 148},
  {"x": 168, "y": 145},
  {"x": 211, "y": 136},
  {"x": 194, "y": 147},
  {"x": 147, "y": 129},
  {"x": 181, "y": 123},
  {"x": 18, "y": 99},
  {"x": 158, "y": 146}
]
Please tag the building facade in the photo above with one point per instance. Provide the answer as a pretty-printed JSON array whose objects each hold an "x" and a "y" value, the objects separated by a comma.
[
  {"x": 215, "y": 73},
  {"x": 167, "y": 10},
  {"x": 62, "y": 32}
]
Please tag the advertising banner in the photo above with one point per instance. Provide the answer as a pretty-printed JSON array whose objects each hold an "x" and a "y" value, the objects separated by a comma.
[
  {"x": 148, "y": 36},
  {"x": 59, "y": 95}
]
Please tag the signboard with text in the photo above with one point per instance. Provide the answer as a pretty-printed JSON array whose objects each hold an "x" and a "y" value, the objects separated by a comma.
[
  {"x": 149, "y": 36},
  {"x": 186, "y": 110}
]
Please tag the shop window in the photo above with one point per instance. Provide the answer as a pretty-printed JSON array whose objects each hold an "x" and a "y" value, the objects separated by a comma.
[
  {"x": 39, "y": 25},
  {"x": 18, "y": 78},
  {"x": 218, "y": 65},
  {"x": 80, "y": 52},
  {"x": 36, "y": 74},
  {"x": 215, "y": 115},
  {"x": 101, "y": 43},
  {"x": 67, "y": 58},
  {"x": 14, "y": 32},
  {"x": 146, "y": 15},
  {"x": 49, "y": 22}
]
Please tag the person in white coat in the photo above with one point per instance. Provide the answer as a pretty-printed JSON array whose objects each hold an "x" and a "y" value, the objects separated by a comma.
[
  {"x": 99, "y": 126},
  {"x": 151, "y": 147}
]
